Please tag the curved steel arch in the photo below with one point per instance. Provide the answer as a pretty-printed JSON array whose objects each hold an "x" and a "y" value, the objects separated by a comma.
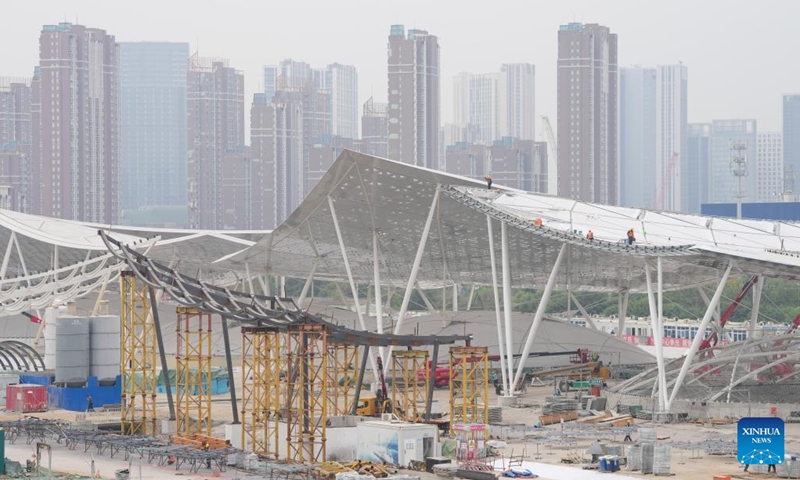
[{"x": 21, "y": 354}]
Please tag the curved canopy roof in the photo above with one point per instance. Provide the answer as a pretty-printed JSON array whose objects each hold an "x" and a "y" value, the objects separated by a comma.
[{"x": 375, "y": 198}]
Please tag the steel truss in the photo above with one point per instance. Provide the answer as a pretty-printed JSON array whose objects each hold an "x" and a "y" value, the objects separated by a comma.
[
  {"x": 342, "y": 373},
  {"x": 306, "y": 396},
  {"x": 410, "y": 380},
  {"x": 261, "y": 389},
  {"x": 138, "y": 365},
  {"x": 469, "y": 386},
  {"x": 193, "y": 371}
]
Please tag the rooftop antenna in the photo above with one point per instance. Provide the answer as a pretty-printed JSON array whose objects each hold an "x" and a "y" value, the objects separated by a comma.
[{"x": 739, "y": 170}]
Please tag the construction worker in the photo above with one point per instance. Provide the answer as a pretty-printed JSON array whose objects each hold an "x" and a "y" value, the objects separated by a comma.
[
  {"x": 537, "y": 222},
  {"x": 89, "y": 404},
  {"x": 590, "y": 236},
  {"x": 488, "y": 179},
  {"x": 631, "y": 237},
  {"x": 206, "y": 448}
]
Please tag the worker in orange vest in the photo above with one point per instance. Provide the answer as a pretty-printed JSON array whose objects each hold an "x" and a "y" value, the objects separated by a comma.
[
  {"x": 537, "y": 222},
  {"x": 590, "y": 236},
  {"x": 631, "y": 238}
]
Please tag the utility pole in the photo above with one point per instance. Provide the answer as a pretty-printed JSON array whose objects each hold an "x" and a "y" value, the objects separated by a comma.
[{"x": 739, "y": 170}]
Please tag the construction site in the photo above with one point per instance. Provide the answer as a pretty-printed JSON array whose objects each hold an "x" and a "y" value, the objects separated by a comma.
[{"x": 139, "y": 353}]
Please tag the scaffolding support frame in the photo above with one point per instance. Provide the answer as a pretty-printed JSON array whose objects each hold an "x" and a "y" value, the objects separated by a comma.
[
  {"x": 469, "y": 386},
  {"x": 409, "y": 392},
  {"x": 261, "y": 398},
  {"x": 193, "y": 371},
  {"x": 343, "y": 360}
]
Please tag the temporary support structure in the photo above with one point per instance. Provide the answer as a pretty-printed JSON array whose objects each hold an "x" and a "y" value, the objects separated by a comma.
[
  {"x": 138, "y": 359},
  {"x": 342, "y": 373},
  {"x": 193, "y": 371},
  {"x": 306, "y": 396},
  {"x": 410, "y": 380},
  {"x": 261, "y": 389},
  {"x": 469, "y": 386}
]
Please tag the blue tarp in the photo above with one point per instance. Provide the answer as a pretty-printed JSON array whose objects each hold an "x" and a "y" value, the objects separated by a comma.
[{"x": 74, "y": 398}]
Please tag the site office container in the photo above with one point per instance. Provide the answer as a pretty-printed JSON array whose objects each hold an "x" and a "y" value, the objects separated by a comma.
[
  {"x": 26, "y": 397},
  {"x": 396, "y": 443}
]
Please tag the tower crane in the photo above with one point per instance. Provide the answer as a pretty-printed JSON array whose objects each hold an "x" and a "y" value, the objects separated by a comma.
[
  {"x": 552, "y": 157},
  {"x": 667, "y": 183}
]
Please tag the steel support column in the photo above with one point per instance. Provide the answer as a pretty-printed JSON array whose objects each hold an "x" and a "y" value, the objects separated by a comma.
[
  {"x": 658, "y": 385},
  {"x": 502, "y": 341},
  {"x": 376, "y": 272},
  {"x": 758, "y": 287},
  {"x": 537, "y": 320},
  {"x": 431, "y": 381},
  {"x": 659, "y": 332},
  {"x": 583, "y": 311},
  {"x": 507, "y": 307},
  {"x": 162, "y": 352},
  {"x": 226, "y": 340},
  {"x": 699, "y": 337},
  {"x": 412, "y": 278},
  {"x": 622, "y": 312},
  {"x": 471, "y": 296},
  {"x": 360, "y": 380}
]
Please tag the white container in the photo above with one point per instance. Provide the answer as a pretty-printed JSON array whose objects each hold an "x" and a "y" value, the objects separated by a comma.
[
  {"x": 50, "y": 316},
  {"x": 396, "y": 443},
  {"x": 105, "y": 343},
  {"x": 72, "y": 349}
]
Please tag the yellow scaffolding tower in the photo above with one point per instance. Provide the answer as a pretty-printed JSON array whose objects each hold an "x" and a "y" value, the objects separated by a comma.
[
  {"x": 306, "y": 393},
  {"x": 342, "y": 377},
  {"x": 138, "y": 358},
  {"x": 193, "y": 372},
  {"x": 469, "y": 385},
  {"x": 261, "y": 389},
  {"x": 410, "y": 379}
]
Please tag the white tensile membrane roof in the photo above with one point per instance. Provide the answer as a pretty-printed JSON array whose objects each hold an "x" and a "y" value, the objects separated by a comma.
[{"x": 390, "y": 201}]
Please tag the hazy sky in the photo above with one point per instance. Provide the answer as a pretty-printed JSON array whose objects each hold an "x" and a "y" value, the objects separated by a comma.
[{"x": 741, "y": 55}]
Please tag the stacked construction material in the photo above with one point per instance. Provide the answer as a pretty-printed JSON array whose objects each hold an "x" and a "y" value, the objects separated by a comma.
[
  {"x": 559, "y": 405},
  {"x": 623, "y": 409},
  {"x": 662, "y": 455},
  {"x": 647, "y": 435},
  {"x": 647, "y": 457},
  {"x": 495, "y": 415},
  {"x": 635, "y": 457},
  {"x": 596, "y": 403}
]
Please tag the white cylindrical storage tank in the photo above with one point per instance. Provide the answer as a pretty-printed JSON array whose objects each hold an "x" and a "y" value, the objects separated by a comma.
[
  {"x": 105, "y": 343},
  {"x": 72, "y": 349},
  {"x": 50, "y": 316}
]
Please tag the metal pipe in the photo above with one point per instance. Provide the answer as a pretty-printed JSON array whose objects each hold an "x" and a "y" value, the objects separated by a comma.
[
  {"x": 662, "y": 374},
  {"x": 699, "y": 337},
  {"x": 583, "y": 311},
  {"x": 431, "y": 382},
  {"x": 621, "y": 313},
  {"x": 471, "y": 295},
  {"x": 360, "y": 380},
  {"x": 376, "y": 273},
  {"x": 229, "y": 363},
  {"x": 537, "y": 320},
  {"x": 412, "y": 278},
  {"x": 654, "y": 326},
  {"x": 307, "y": 285},
  {"x": 506, "y": 375},
  {"x": 757, "y": 289},
  {"x": 162, "y": 353}
]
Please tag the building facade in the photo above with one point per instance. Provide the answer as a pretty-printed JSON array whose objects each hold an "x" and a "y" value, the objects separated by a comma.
[
  {"x": 215, "y": 103},
  {"x": 519, "y": 164},
  {"x": 153, "y": 118},
  {"x": 723, "y": 184},
  {"x": 341, "y": 81},
  {"x": 671, "y": 135},
  {"x": 769, "y": 166},
  {"x": 517, "y": 106},
  {"x": 637, "y": 137},
  {"x": 476, "y": 107},
  {"x": 697, "y": 159},
  {"x": 791, "y": 144},
  {"x": 375, "y": 129},
  {"x": 15, "y": 143},
  {"x": 414, "y": 106},
  {"x": 77, "y": 129},
  {"x": 587, "y": 113}
]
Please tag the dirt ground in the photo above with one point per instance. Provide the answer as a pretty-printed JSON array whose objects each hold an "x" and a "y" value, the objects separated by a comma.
[{"x": 684, "y": 465}]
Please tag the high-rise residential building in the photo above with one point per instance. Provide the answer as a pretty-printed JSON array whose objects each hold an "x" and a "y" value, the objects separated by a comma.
[
  {"x": 15, "y": 143},
  {"x": 519, "y": 164},
  {"x": 723, "y": 184},
  {"x": 467, "y": 159},
  {"x": 341, "y": 82},
  {"x": 791, "y": 144},
  {"x": 153, "y": 112},
  {"x": 77, "y": 135},
  {"x": 637, "y": 137},
  {"x": 517, "y": 93},
  {"x": 375, "y": 128},
  {"x": 414, "y": 101},
  {"x": 241, "y": 198},
  {"x": 322, "y": 155},
  {"x": 215, "y": 126},
  {"x": 587, "y": 113},
  {"x": 769, "y": 166},
  {"x": 476, "y": 107},
  {"x": 276, "y": 137},
  {"x": 697, "y": 159},
  {"x": 270, "y": 81},
  {"x": 671, "y": 135}
]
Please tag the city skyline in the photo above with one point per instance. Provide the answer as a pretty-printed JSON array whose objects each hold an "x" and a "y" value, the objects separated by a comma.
[{"x": 344, "y": 38}]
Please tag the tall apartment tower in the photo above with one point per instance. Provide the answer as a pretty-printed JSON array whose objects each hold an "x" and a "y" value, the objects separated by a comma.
[
  {"x": 374, "y": 128},
  {"x": 637, "y": 137},
  {"x": 153, "y": 78},
  {"x": 215, "y": 103},
  {"x": 697, "y": 156},
  {"x": 587, "y": 113},
  {"x": 15, "y": 143},
  {"x": 769, "y": 166},
  {"x": 671, "y": 136},
  {"x": 476, "y": 107},
  {"x": 276, "y": 137},
  {"x": 341, "y": 81},
  {"x": 791, "y": 144},
  {"x": 77, "y": 133},
  {"x": 414, "y": 104},
  {"x": 517, "y": 92}
]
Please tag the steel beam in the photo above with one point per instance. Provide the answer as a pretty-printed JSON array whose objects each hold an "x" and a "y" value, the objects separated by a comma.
[
  {"x": 162, "y": 352},
  {"x": 431, "y": 382},
  {"x": 506, "y": 262},
  {"x": 699, "y": 337},
  {"x": 376, "y": 272},
  {"x": 757, "y": 289},
  {"x": 360, "y": 380},
  {"x": 622, "y": 312},
  {"x": 226, "y": 339},
  {"x": 659, "y": 332},
  {"x": 307, "y": 285},
  {"x": 583, "y": 311},
  {"x": 651, "y": 300},
  {"x": 537, "y": 319},
  {"x": 506, "y": 375}
]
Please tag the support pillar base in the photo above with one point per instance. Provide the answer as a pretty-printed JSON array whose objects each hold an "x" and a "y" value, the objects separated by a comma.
[{"x": 507, "y": 400}]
